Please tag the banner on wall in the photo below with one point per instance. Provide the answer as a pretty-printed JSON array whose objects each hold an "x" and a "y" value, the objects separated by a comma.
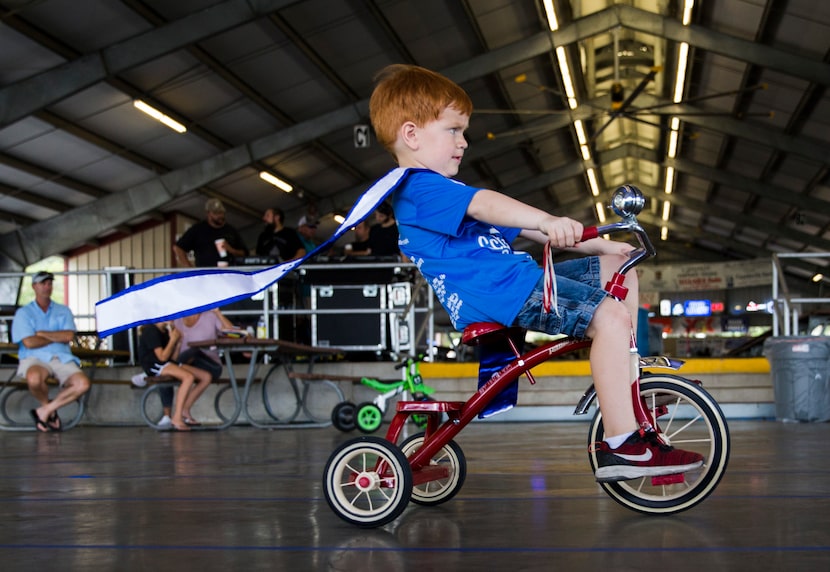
[{"x": 705, "y": 276}]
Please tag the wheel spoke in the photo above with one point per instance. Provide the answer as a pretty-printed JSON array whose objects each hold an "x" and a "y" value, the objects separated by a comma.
[
  {"x": 683, "y": 428},
  {"x": 689, "y": 441}
]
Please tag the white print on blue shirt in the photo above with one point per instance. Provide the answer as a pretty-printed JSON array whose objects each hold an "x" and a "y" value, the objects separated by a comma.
[
  {"x": 495, "y": 242},
  {"x": 452, "y": 303}
]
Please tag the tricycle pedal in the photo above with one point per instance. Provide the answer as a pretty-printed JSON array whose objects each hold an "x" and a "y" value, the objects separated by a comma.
[{"x": 668, "y": 479}]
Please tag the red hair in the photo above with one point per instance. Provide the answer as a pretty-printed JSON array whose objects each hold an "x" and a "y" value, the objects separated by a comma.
[{"x": 412, "y": 93}]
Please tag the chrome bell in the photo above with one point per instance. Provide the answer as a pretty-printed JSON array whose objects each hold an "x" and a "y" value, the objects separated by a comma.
[{"x": 627, "y": 200}]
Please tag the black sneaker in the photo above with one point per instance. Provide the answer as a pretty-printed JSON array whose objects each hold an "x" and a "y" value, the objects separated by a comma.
[{"x": 642, "y": 455}]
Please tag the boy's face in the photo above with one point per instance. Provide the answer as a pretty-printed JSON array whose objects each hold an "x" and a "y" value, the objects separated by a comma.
[{"x": 439, "y": 145}]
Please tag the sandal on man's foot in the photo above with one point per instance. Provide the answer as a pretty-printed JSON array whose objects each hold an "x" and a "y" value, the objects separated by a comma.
[
  {"x": 191, "y": 422},
  {"x": 54, "y": 422},
  {"x": 40, "y": 424}
]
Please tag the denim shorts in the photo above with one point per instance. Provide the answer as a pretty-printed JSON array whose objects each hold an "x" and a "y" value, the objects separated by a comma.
[{"x": 579, "y": 292}]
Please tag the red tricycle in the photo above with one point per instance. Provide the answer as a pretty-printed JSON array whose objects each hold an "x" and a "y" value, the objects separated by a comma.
[{"x": 368, "y": 481}]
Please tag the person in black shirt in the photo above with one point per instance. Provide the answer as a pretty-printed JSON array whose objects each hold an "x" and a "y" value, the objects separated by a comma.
[
  {"x": 383, "y": 236},
  {"x": 202, "y": 237},
  {"x": 360, "y": 246},
  {"x": 278, "y": 240},
  {"x": 158, "y": 349}
]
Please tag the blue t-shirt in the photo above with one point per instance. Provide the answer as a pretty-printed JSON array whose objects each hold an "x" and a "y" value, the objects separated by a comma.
[
  {"x": 30, "y": 319},
  {"x": 470, "y": 265}
]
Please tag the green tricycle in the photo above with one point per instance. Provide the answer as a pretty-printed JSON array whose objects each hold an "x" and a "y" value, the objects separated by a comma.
[{"x": 368, "y": 416}]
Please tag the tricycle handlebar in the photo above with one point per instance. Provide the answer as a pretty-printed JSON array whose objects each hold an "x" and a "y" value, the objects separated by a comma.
[{"x": 627, "y": 202}]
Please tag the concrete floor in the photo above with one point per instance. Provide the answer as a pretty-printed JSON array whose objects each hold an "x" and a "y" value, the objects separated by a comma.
[{"x": 131, "y": 498}]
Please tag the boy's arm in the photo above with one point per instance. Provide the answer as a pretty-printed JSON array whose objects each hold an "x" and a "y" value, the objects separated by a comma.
[
  {"x": 537, "y": 225},
  {"x": 498, "y": 209},
  {"x": 593, "y": 247}
]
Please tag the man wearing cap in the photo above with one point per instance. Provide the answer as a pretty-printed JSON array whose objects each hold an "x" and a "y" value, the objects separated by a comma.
[
  {"x": 212, "y": 241},
  {"x": 44, "y": 328},
  {"x": 307, "y": 229}
]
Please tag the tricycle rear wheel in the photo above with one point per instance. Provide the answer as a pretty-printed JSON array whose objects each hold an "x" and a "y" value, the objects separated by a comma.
[
  {"x": 450, "y": 457},
  {"x": 367, "y": 481}
]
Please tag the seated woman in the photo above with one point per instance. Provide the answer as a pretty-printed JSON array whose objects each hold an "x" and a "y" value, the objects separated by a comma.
[
  {"x": 158, "y": 346},
  {"x": 198, "y": 328}
]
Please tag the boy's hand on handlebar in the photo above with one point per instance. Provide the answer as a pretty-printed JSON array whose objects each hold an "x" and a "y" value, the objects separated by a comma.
[
  {"x": 598, "y": 246},
  {"x": 562, "y": 232}
]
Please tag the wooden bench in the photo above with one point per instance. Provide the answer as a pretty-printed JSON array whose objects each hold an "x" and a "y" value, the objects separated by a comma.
[
  {"x": 14, "y": 387},
  {"x": 169, "y": 379},
  {"x": 323, "y": 377}
]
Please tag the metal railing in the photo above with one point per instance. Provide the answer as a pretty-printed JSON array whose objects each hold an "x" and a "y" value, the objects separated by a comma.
[
  {"x": 90, "y": 286},
  {"x": 788, "y": 307}
]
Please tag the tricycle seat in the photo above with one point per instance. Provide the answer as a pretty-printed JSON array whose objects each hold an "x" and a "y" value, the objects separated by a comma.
[
  {"x": 481, "y": 332},
  {"x": 474, "y": 332}
]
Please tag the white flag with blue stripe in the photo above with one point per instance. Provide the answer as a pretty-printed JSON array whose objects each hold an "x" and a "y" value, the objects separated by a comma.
[{"x": 186, "y": 293}]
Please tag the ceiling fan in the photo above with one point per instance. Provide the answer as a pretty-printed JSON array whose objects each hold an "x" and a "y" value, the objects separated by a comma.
[{"x": 620, "y": 105}]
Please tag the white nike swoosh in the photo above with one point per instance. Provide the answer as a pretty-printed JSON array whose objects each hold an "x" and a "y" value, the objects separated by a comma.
[{"x": 641, "y": 457}]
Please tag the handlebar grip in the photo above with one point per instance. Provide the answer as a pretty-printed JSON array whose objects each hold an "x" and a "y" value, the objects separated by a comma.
[{"x": 589, "y": 232}]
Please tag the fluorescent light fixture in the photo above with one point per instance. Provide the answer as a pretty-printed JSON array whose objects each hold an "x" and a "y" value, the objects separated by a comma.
[
  {"x": 276, "y": 181},
  {"x": 601, "y": 212},
  {"x": 818, "y": 277},
  {"x": 592, "y": 182},
  {"x": 159, "y": 116},
  {"x": 672, "y": 151},
  {"x": 583, "y": 140},
  {"x": 675, "y": 123},
  {"x": 339, "y": 219},
  {"x": 682, "y": 62},
  {"x": 674, "y": 134},
  {"x": 687, "y": 12},
  {"x": 586, "y": 153},
  {"x": 553, "y": 22},
  {"x": 562, "y": 58},
  {"x": 580, "y": 132}
]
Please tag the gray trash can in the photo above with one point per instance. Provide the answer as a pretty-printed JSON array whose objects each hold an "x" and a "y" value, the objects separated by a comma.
[{"x": 800, "y": 379}]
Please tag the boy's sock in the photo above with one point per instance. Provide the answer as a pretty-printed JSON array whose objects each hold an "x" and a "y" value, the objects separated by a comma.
[{"x": 617, "y": 440}]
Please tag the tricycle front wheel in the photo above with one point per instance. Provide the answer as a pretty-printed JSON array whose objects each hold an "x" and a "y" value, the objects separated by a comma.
[{"x": 686, "y": 417}]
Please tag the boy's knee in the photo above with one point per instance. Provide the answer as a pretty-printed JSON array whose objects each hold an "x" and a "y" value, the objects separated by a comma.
[{"x": 611, "y": 314}]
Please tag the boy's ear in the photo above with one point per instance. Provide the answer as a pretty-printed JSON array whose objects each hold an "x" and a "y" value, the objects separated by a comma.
[{"x": 409, "y": 135}]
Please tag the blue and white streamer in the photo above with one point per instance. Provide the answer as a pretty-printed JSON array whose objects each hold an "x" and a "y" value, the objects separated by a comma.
[{"x": 186, "y": 293}]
